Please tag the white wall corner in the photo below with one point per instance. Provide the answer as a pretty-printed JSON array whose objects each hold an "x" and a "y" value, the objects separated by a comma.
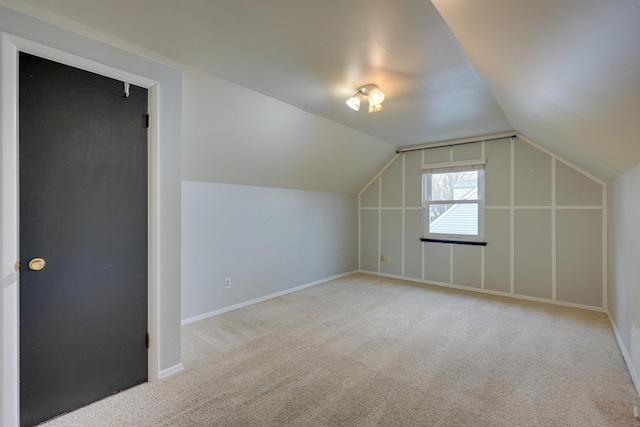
[
  {"x": 625, "y": 354},
  {"x": 170, "y": 371},
  {"x": 264, "y": 298}
]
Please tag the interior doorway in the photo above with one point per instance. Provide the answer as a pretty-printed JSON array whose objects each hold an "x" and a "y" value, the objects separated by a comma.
[
  {"x": 22, "y": 33},
  {"x": 83, "y": 237}
]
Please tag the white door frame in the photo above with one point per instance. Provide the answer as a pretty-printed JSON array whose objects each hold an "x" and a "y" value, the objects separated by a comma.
[{"x": 11, "y": 46}]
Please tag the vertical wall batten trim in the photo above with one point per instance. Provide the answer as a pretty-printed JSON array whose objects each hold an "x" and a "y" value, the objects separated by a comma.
[
  {"x": 360, "y": 231},
  {"x": 380, "y": 220},
  {"x": 451, "y": 246},
  {"x": 554, "y": 235},
  {"x": 482, "y": 193},
  {"x": 451, "y": 264},
  {"x": 512, "y": 217},
  {"x": 422, "y": 219},
  {"x": 605, "y": 273},
  {"x": 423, "y": 263},
  {"x": 403, "y": 215},
  {"x": 482, "y": 248}
]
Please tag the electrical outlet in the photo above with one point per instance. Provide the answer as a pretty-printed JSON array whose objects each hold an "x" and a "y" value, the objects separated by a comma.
[
  {"x": 382, "y": 258},
  {"x": 388, "y": 258},
  {"x": 227, "y": 282}
]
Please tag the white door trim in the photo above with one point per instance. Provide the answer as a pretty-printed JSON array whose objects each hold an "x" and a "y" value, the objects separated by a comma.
[{"x": 11, "y": 46}]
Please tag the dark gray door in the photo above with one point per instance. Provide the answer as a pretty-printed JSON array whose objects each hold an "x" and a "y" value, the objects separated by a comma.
[{"x": 83, "y": 210}]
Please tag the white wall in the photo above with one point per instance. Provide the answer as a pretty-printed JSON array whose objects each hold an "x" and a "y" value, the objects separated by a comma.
[
  {"x": 237, "y": 136},
  {"x": 266, "y": 240},
  {"x": 245, "y": 154},
  {"x": 624, "y": 268}
]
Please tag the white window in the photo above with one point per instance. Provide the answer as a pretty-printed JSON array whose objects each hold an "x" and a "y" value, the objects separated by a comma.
[{"x": 453, "y": 201}]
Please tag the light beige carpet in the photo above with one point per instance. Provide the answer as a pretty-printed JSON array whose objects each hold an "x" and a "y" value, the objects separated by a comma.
[{"x": 367, "y": 351}]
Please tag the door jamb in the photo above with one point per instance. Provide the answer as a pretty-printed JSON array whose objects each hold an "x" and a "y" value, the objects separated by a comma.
[{"x": 11, "y": 46}]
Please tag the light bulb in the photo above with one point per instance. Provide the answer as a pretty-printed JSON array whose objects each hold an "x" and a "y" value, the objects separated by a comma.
[{"x": 376, "y": 96}]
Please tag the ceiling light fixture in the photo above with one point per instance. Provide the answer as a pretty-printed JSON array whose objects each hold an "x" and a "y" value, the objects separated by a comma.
[
  {"x": 371, "y": 91},
  {"x": 354, "y": 101}
]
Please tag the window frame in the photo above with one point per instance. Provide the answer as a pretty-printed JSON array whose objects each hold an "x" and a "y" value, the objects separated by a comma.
[{"x": 476, "y": 165}]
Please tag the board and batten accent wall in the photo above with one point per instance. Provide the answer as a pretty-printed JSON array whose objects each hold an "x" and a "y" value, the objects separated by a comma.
[{"x": 545, "y": 226}]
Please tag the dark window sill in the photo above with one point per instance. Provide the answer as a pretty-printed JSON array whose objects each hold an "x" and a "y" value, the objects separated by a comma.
[{"x": 455, "y": 242}]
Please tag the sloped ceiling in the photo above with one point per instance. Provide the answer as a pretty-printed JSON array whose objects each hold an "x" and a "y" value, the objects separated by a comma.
[
  {"x": 314, "y": 54},
  {"x": 564, "y": 73}
]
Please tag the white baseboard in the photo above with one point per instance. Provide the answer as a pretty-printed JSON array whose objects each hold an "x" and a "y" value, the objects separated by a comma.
[
  {"x": 486, "y": 291},
  {"x": 170, "y": 371},
  {"x": 634, "y": 375},
  {"x": 264, "y": 298}
]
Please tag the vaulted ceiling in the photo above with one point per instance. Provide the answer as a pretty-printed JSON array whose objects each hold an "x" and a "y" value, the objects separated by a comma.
[{"x": 565, "y": 73}]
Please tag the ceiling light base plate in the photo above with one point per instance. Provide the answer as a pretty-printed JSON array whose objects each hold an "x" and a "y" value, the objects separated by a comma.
[{"x": 366, "y": 89}]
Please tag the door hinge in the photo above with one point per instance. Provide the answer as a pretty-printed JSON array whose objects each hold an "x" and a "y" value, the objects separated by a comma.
[
  {"x": 146, "y": 121},
  {"x": 148, "y": 341}
]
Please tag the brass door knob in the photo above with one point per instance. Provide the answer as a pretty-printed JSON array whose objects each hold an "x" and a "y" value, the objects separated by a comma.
[{"x": 37, "y": 264}]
